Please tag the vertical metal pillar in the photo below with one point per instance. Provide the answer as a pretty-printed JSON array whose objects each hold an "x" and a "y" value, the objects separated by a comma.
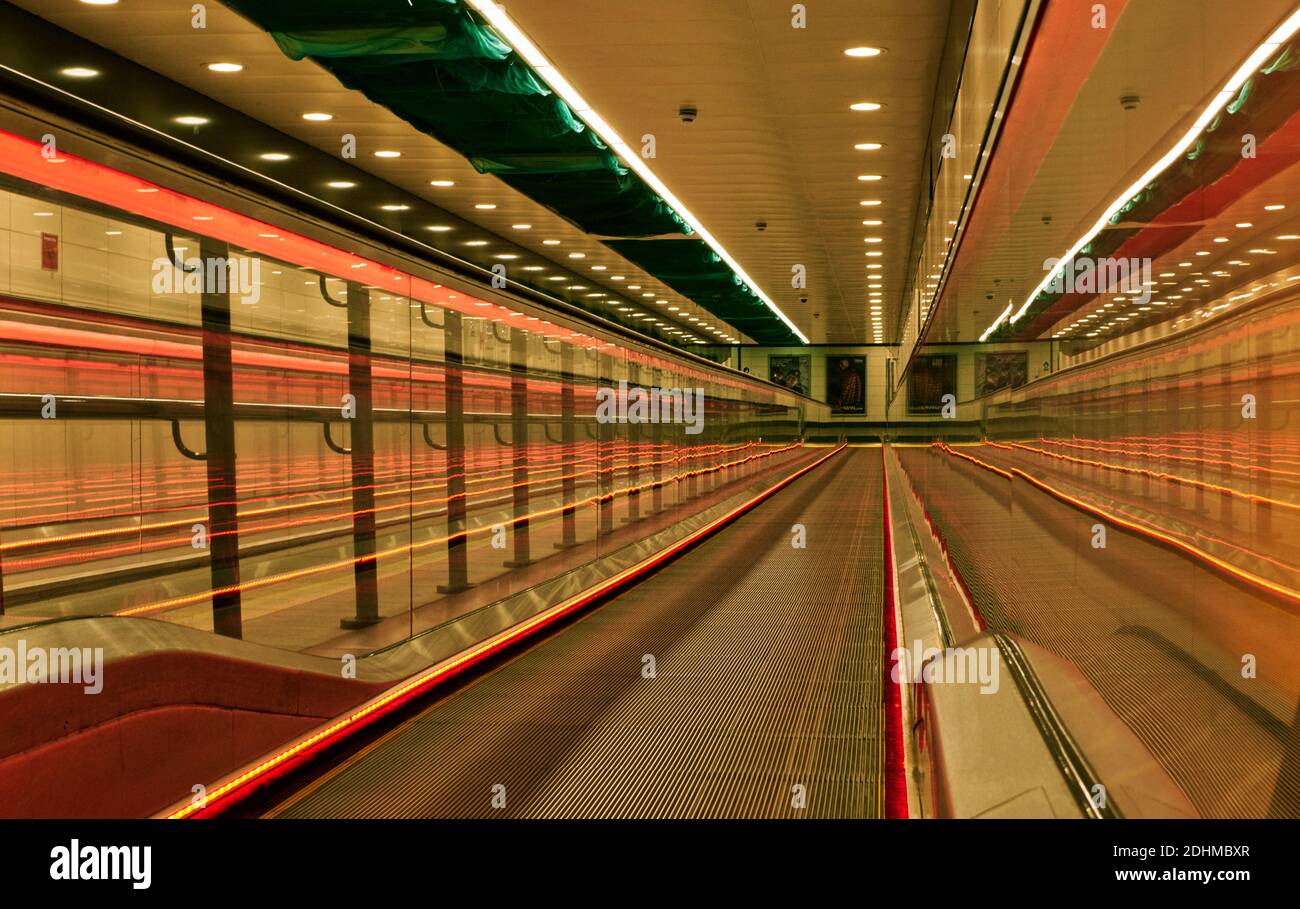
[
  {"x": 457, "y": 463},
  {"x": 1265, "y": 421},
  {"x": 519, "y": 444},
  {"x": 568, "y": 466},
  {"x": 360, "y": 386},
  {"x": 604, "y": 462},
  {"x": 657, "y": 502},
  {"x": 633, "y": 455},
  {"x": 219, "y": 429}
]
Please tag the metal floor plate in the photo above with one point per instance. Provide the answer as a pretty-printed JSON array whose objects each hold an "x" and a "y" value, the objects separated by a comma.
[{"x": 766, "y": 699}]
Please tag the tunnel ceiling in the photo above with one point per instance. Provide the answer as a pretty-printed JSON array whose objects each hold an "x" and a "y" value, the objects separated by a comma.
[
  {"x": 773, "y": 142},
  {"x": 1065, "y": 157},
  {"x": 453, "y": 207},
  {"x": 774, "y": 139}
]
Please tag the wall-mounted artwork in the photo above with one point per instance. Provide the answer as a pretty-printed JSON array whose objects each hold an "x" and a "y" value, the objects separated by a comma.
[
  {"x": 792, "y": 372},
  {"x": 1000, "y": 370},
  {"x": 846, "y": 384},
  {"x": 931, "y": 377}
]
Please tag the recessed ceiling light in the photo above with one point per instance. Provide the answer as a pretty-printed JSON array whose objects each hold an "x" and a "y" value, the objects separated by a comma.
[
  {"x": 274, "y": 156},
  {"x": 191, "y": 121},
  {"x": 522, "y": 226},
  {"x": 870, "y": 202},
  {"x": 80, "y": 72},
  {"x": 863, "y": 52},
  {"x": 865, "y": 105},
  {"x": 1220, "y": 239},
  {"x": 395, "y": 207},
  {"x": 340, "y": 184},
  {"x": 387, "y": 153},
  {"x": 225, "y": 67},
  {"x": 577, "y": 255},
  {"x": 100, "y": 2},
  {"x": 872, "y": 240},
  {"x": 440, "y": 228},
  {"x": 507, "y": 256},
  {"x": 1244, "y": 224},
  {"x": 867, "y": 146},
  {"x": 873, "y": 223},
  {"x": 476, "y": 242},
  {"x": 485, "y": 206},
  {"x": 317, "y": 116},
  {"x": 1277, "y": 206},
  {"x": 442, "y": 182},
  {"x": 870, "y": 178}
]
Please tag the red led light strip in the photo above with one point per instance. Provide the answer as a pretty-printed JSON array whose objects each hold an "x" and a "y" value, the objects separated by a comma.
[{"x": 895, "y": 781}]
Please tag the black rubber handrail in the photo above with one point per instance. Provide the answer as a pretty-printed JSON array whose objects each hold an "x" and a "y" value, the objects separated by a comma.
[
  {"x": 1080, "y": 777},
  {"x": 182, "y": 447},
  {"x": 170, "y": 245}
]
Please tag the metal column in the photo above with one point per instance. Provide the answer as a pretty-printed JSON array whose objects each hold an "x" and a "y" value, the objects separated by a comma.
[
  {"x": 568, "y": 465},
  {"x": 519, "y": 445},
  {"x": 219, "y": 428},
  {"x": 457, "y": 539},
  {"x": 360, "y": 386}
]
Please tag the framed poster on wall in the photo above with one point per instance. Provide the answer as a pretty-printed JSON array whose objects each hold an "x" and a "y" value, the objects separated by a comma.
[
  {"x": 932, "y": 376},
  {"x": 1000, "y": 370},
  {"x": 846, "y": 384},
  {"x": 792, "y": 372}
]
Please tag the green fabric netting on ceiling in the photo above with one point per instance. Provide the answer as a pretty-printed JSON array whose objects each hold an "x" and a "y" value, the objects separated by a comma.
[
  {"x": 440, "y": 67},
  {"x": 695, "y": 271}
]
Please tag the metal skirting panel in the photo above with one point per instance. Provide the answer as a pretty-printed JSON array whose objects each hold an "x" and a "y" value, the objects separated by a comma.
[
  {"x": 1145, "y": 626},
  {"x": 765, "y": 700}
]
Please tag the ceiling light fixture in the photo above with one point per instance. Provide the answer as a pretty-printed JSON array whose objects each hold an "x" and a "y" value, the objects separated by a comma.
[
  {"x": 225, "y": 67},
  {"x": 1257, "y": 58}
]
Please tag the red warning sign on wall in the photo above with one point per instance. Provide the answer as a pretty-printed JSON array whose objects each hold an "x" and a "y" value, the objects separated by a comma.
[{"x": 50, "y": 252}]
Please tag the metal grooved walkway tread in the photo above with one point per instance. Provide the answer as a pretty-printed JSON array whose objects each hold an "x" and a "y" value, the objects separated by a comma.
[{"x": 767, "y": 688}]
